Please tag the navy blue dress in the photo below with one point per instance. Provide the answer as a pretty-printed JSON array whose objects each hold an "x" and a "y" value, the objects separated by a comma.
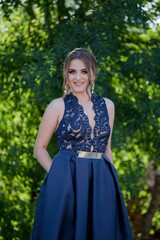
[{"x": 80, "y": 198}]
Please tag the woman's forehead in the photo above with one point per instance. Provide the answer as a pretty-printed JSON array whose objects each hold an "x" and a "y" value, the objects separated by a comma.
[{"x": 77, "y": 64}]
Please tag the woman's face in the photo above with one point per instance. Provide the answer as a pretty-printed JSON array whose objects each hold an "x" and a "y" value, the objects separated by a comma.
[{"x": 78, "y": 79}]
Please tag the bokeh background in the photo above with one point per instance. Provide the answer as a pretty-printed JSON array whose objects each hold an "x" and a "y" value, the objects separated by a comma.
[{"x": 35, "y": 37}]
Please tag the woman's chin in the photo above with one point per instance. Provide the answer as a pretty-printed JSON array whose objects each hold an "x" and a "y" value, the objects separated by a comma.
[{"x": 79, "y": 90}]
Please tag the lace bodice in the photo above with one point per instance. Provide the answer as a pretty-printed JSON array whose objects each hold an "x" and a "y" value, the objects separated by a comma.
[{"x": 74, "y": 131}]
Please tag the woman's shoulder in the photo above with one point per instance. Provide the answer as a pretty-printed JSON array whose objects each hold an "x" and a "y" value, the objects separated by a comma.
[
  {"x": 57, "y": 101},
  {"x": 108, "y": 101},
  {"x": 110, "y": 104},
  {"x": 56, "y": 105},
  {"x": 111, "y": 109}
]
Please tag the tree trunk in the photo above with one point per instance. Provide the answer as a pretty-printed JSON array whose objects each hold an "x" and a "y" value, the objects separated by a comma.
[{"x": 147, "y": 218}]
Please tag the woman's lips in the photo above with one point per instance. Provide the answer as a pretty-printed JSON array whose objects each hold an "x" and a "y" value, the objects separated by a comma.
[{"x": 78, "y": 83}]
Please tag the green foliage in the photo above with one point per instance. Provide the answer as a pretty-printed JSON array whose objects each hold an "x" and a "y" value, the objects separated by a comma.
[{"x": 36, "y": 37}]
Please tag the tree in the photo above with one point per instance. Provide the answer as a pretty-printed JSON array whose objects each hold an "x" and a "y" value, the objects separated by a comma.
[{"x": 36, "y": 37}]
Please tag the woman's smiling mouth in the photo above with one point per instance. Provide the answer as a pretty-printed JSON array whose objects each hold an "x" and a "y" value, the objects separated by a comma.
[{"x": 78, "y": 83}]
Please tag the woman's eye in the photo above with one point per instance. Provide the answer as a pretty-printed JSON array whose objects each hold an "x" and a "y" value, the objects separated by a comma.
[
  {"x": 85, "y": 71},
  {"x": 71, "y": 71}
]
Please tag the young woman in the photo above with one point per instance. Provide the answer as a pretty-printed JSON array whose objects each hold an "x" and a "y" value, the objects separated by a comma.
[{"x": 80, "y": 198}]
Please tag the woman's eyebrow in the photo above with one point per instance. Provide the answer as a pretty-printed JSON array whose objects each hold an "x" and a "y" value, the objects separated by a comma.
[
  {"x": 71, "y": 69},
  {"x": 75, "y": 69}
]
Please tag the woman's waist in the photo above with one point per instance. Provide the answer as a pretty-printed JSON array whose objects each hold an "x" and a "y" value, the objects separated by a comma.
[{"x": 83, "y": 154}]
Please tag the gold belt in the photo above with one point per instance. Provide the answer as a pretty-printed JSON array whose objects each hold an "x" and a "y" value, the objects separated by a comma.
[{"x": 84, "y": 154}]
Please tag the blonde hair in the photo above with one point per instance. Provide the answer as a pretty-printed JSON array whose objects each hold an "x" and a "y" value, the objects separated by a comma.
[{"x": 89, "y": 60}]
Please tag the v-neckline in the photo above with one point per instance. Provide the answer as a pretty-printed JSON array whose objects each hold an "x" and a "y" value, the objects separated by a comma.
[{"x": 86, "y": 116}]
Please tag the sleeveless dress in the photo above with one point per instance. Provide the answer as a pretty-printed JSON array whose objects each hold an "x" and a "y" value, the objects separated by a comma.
[{"x": 80, "y": 198}]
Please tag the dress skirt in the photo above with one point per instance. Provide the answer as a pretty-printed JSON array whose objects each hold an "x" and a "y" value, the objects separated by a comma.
[{"x": 80, "y": 199}]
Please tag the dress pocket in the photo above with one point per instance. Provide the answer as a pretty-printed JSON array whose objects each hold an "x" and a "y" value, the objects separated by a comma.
[
  {"x": 46, "y": 176},
  {"x": 108, "y": 160},
  {"x": 45, "y": 179},
  {"x": 48, "y": 173},
  {"x": 43, "y": 184}
]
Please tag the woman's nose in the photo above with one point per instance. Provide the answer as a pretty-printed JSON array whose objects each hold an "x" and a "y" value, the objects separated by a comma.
[{"x": 78, "y": 76}]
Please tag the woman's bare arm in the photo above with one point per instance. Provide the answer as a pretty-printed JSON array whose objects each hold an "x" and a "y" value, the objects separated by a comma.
[
  {"x": 47, "y": 127},
  {"x": 111, "y": 113}
]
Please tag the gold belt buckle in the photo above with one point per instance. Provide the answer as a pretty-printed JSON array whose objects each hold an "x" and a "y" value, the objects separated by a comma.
[{"x": 84, "y": 154}]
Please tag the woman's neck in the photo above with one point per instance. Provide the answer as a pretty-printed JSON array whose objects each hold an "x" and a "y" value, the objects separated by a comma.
[{"x": 82, "y": 96}]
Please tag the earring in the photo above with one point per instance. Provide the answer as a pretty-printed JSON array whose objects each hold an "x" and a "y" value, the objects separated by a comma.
[
  {"x": 67, "y": 89},
  {"x": 92, "y": 86}
]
